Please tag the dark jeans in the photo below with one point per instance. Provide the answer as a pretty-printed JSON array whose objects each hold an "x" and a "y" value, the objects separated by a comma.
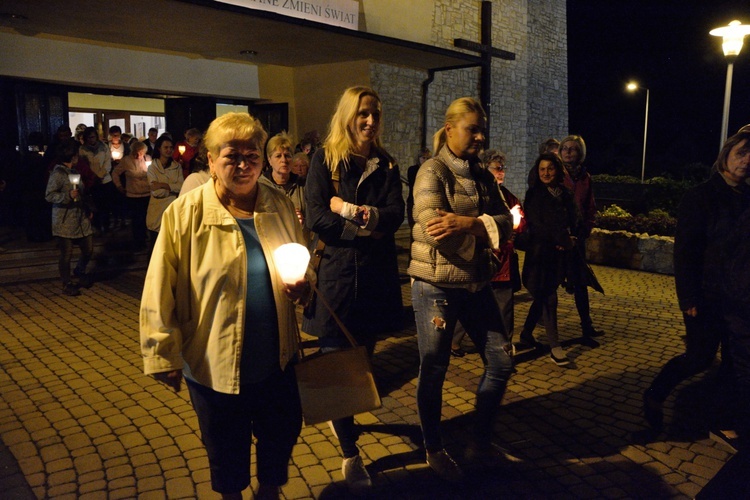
[
  {"x": 270, "y": 410},
  {"x": 703, "y": 334},
  {"x": 345, "y": 429},
  {"x": 138, "y": 208},
  {"x": 436, "y": 311},
  {"x": 503, "y": 292},
  {"x": 86, "y": 244}
]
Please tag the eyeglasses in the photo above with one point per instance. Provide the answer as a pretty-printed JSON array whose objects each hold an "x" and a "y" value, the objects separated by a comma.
[
  {"x": 498, "y": 169},
  {"x": 235, "y": 158}
]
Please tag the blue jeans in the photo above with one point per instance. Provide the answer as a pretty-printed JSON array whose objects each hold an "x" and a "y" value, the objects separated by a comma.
[{"x": 436, "y": 311}]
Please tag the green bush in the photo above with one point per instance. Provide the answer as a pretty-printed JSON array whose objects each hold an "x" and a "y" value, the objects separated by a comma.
[
  {"x": 658, "y": 193},
  {"x": 656, "y": 222},
  {"x": 615, "y": 179}
]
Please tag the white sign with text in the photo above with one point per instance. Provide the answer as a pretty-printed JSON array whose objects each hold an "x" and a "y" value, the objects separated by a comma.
[{"x": 343, "y": 13}]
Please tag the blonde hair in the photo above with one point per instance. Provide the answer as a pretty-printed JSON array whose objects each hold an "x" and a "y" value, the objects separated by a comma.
[
  {"x": 282, "y": 140},
  {"x": 136, "y": 148},
  {"x": 579, "y": 141},
  {"x": 458, "y": 108},
  {"x": 340, "y": 141},
  {"x": 234, "y": 127}
]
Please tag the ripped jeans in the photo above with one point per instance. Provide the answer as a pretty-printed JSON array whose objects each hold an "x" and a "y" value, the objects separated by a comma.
[{"x": 436, "y": 311}]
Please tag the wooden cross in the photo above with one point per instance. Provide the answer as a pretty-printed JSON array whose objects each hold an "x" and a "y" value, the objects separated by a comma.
[{"x": 487, "y": 51}]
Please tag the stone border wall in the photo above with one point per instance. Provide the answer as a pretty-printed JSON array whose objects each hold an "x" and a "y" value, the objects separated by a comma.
[{"x": 622, "y": 249}]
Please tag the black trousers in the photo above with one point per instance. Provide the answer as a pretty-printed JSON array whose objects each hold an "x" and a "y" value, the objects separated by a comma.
[{"x": 703, "y": 335}]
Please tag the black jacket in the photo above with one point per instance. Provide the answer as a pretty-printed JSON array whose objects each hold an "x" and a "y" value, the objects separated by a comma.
[
  {"x": 706, "y": 217},
  {"x": 550, "y": 223},
  {"x": 359, "y": 276}
]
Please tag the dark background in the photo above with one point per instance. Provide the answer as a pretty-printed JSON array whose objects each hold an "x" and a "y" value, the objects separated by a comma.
[{"x": 665, "y": 46}]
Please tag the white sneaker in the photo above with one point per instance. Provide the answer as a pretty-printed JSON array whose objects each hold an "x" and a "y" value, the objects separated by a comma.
[
  {"x": 333, "y": 429},
  {"x": 356, "y": 476},
  {"x": 559, "y": 356},
  {"x": 445, "y": 466}
]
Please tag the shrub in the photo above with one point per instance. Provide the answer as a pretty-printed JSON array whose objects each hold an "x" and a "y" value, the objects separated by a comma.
[{"x": 656, "y": 222}]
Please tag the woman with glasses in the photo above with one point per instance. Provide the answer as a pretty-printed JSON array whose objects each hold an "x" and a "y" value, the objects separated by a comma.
[{"x": 507, "y": 279}]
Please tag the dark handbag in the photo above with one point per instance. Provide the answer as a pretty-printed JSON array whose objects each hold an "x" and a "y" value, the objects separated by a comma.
[{"x": 336, "y": 384}]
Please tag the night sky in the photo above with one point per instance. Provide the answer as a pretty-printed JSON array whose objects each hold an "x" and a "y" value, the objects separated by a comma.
[{"x": 665, "y": 46}]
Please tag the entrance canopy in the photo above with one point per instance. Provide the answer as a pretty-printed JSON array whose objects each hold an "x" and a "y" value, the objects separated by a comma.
[{"x": 214, "y": 30}]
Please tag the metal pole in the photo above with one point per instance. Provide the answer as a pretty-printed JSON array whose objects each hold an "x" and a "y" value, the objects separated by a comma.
[
  {"x": 645, "y": 135},
  {"x": 727, "y": 98}
]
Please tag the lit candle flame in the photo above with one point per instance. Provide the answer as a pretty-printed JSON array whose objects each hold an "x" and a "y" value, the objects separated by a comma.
[
  {"x": 517, "y": 216},
  {"x": 291, "y": 260},
  {"x": 181, "y": 148}
]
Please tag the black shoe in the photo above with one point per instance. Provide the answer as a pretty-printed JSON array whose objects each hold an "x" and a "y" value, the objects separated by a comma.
[
  {"x": 84, "y": 280},
  {"x": 527, "y": 341},
  {"x": 653, "y": 412},
  {"x": 71, "y": 290},
  {"x": 588, "y": 342},
  {"x": 458, "y": 352},
  {"x": 590, "y": 331}
]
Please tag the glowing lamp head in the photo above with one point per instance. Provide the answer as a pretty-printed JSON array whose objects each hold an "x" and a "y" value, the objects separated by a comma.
[
  {"x": 733, "y": 36},
  {"x": 74, "y": 178},
  {"x": 632, "y": 86},
  {"x": 291, "y": 260}
]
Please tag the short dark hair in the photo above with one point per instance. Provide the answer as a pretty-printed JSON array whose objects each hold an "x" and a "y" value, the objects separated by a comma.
[
  {"x": 157, "y": 146},
  {"x": 115, "y": 129},
  {"x": 552, "y": 158},
  {"x": 67, "y": 150}
]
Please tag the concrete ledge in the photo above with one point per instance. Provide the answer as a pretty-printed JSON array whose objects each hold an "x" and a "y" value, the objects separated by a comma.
[{"x": 626, "y": 250}]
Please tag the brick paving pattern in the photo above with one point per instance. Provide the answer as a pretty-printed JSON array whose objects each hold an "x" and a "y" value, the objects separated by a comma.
[{"x": 78, "y": 419}]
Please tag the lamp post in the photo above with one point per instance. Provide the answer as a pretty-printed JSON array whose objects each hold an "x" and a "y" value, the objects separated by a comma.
[
  {"x": 632, "y": 87},
  {"x": 732, "y": 39}
]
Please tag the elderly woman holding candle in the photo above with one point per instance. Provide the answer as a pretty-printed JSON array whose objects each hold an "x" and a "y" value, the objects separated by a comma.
[
  {"x": 70, "y": 219},
  {"x": 216, "y": 311},
  {"x": 130, "y": 176}
]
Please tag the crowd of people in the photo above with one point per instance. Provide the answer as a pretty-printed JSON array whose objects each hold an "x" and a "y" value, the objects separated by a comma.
[
  {"x": 212, "y": 208},
  {"x": 465, "y": 225}
]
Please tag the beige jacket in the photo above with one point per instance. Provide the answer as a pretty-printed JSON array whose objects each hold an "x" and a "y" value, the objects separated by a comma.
[{"x": 193, "y": 304}]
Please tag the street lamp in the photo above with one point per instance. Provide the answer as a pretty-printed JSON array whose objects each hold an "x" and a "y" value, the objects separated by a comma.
[
  {"x": 632, "y": 87},
  {"x": 733, "y": 37}
]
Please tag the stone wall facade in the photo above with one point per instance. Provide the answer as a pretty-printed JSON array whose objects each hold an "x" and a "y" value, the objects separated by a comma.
[
  {"x": 631, "y": 251},
  {"x": 529, "y": 94}
]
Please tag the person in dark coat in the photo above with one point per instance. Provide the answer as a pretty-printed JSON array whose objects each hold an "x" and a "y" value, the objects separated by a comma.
[
  {"x": 554, "y": 224},
  {"x": 706, "y": 217},
  {"x": 578, "y": 180},
  {"x": 354, "y": 204}
]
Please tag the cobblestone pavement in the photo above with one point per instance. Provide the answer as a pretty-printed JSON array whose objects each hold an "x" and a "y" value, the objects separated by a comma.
[{"x": 79, "y": 420}]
